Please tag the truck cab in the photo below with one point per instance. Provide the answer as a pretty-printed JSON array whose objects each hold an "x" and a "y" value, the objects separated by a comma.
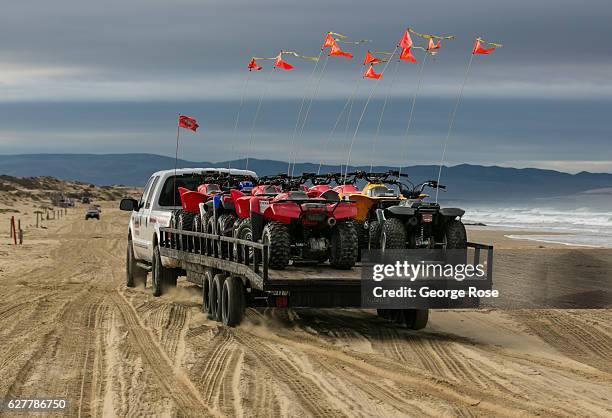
[{"x": 159, "y": 200}]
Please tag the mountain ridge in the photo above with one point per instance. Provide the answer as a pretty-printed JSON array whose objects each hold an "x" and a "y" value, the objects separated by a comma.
[{"x": 464, "y": 181}]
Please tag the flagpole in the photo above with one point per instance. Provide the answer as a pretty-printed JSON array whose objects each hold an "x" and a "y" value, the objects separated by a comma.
[
  {"x": 452, "y": 121},
  {"x": 348, "y": 118},
  {"x": 314, "y": 94},
  {"x": 297, "y": 122},
  {"x": 414, "y": 98},
  {"x": 331, "y": 134},
  {"x": 382, "y": 112},
  {"x": 246, "y": 84},
  {"x": 178, "y": 130},
  {"x": 365, "y": 107},
  {"x": 263, "y": 92}
]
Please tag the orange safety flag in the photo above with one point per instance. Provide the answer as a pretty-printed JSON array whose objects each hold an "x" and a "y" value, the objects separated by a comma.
[
  {"x": 335, "y": 51},
  {"x": 406, "y": 41},
  {"x": 370, "y": 59},
  {"x": 329, "y": 41},
  {"x": 431, "y": 45},
  {"x": 406, "y": 55},
  {"x": 188, "y": 123},
  {"x": 478, "y": 49},
  {"x": 253, "y": 65},
  {"x": 280, "y": 63},
  {"x": 370, "y": 73}
]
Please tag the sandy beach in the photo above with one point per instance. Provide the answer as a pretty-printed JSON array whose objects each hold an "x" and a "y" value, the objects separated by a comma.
[{"x": 71, "y": 329}]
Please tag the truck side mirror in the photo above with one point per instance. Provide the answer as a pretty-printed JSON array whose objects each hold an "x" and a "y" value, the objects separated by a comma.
[{"x": 128, "y": 204}]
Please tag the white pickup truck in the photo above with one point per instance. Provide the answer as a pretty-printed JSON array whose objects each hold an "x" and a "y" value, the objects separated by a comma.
[{"x": 154, "y": 210}]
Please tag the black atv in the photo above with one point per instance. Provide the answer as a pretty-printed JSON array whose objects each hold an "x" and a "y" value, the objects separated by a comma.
[{"x": 416, "y": 223}]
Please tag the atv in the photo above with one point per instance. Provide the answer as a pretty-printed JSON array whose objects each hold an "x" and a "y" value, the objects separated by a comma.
[
  {"x": 375, "y": 195},
  {"x": 301, "y": 228},
  {"x": 416, "y": 223}
]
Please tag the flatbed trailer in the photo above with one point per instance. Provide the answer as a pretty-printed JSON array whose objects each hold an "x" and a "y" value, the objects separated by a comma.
[{"x": 234, "y": 274}]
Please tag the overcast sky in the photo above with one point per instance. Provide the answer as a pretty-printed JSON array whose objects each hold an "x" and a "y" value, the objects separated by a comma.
[{"x": 111, "y": 76}]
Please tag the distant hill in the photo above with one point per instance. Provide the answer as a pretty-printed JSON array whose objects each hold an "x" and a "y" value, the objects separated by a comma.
[{"x": 465, "y": 182}]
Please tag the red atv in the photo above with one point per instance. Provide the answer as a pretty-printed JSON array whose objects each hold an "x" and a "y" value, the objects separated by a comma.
[{"x": 301, "y": 228}]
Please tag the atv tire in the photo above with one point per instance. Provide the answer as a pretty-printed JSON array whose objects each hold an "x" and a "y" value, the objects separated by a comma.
[
  {"x": 184, "y": 222},
  {"x": 135, "y": 276},
  {"x": 374, "y": 233},
  {"x": 455, "y": 235},
  {"x": 244, "y": 231},
  {"x": 197, "y": 223},
  {"x": 344, "y": 246},
  {"x": 162, "y": 278},
  {"x": 393, "y": 235},
  {"x": 276, "y": 235}
]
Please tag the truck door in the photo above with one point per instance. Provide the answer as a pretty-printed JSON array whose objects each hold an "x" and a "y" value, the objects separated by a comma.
[
  {"x": 147, "y": 227},
  {"x": 138, "y": 230}
]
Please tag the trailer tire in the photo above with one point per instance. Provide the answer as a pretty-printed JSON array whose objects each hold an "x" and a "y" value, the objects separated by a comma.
[
  {"x": 416, "y": 319},
  {"x": 343, "y": 251},
  {"x": 232, "y": 301},
  {"x": 135, "y": 276},
  {"x": 162, "y": 278},
  {"x": 393, "y": 235},
  {"x": 383, "y": 313},
  {"x": 216, "y": 293},
  {"x": 276, "y": 235},
  {"x": 207, "y": 281},
  {"x": 374, "y": 231}
]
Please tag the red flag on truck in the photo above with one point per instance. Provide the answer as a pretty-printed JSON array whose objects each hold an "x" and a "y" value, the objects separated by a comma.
[{"x": 188, "y": 123}]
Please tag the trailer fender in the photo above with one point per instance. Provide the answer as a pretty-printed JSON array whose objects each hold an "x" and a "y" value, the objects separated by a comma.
[{"x": 452, "y": 212}]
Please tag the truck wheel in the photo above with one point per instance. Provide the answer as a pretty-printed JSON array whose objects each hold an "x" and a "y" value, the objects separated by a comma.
[
  {"x": 393, "y": 235},
  {"x": 343, "y": 251},
  {"x": 374, "y": 232},
  {"x": 216, "y": 293},
  {"x": 455, "y": 236},
  {"x": 206, "y": 292},
  {"x": 276, "y": 235},
  {"x": 162, "y": 277},
  {"x": 244, "y": 232},
  {"x": 135, "y": 276},
  {"x": 416, "y": 319},
  {"x": 232, "y": 301}
]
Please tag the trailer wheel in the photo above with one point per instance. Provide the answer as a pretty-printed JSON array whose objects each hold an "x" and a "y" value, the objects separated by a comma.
[
  {"x": 383, "y": 313},
  {"x": 216, "y": 293},
  {"x": 276, "y": 235},
  {"x": 136, "y": 276},
  {"x": 206, "y": 292},
  {"x": 416, "y": 319},
  {"x": 393, "y": 235},
  {"x": 343, "y": 254},
  {"x": 232, "y": 301},
  {"x": 162, "y": 277}
]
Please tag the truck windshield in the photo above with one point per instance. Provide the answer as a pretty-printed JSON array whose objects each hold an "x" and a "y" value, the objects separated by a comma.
[{"x": 167, "y": 199}]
